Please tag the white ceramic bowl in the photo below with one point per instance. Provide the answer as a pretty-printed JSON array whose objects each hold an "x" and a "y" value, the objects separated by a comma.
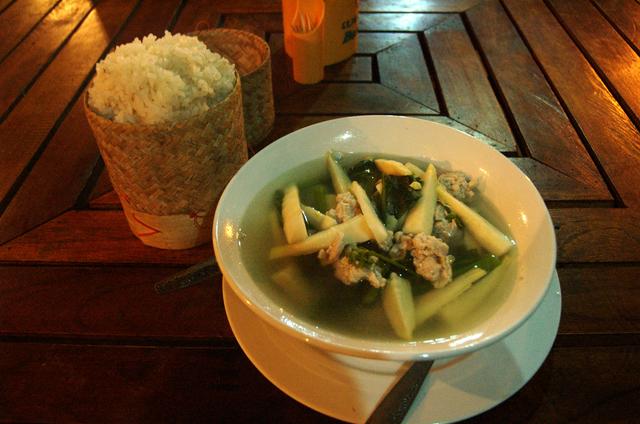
[{"x": 506, "y": 187}]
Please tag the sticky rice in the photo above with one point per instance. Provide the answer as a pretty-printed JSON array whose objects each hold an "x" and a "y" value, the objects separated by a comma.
[{"x": 160, "y": 80}]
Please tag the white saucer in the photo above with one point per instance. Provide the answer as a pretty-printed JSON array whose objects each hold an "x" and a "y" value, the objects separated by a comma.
[{"x": 348, "y": 388}]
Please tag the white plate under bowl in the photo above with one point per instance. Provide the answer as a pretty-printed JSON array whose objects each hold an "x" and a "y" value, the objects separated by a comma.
[
  {"x": 510, "y": 192},
  {"x": 348, "y": 388}
]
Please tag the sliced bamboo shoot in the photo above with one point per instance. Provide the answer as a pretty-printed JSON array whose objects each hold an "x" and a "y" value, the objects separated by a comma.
[
  {"x": 420, "y": 217},
  {"x": 339, "y": 177},
  {"x": 428, "y": 304},
  {"x": 482, "y": 230},
  {"x": 294, "y": 227},
  {"x": 354, "y": 230},
  {"x": 415, "y": 169},
  {"x": 397, "y": 302},
  {"x": 392, "y": 167},
  {"x": 317, "y": 219},
  {"x": 375, "y": 224}
]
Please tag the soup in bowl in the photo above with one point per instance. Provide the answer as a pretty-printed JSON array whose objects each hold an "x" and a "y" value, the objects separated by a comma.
[{"x": 385, "y": 237}]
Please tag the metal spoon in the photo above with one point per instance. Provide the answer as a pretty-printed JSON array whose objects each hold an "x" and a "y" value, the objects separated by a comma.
[{"x": 395, "y": 405}]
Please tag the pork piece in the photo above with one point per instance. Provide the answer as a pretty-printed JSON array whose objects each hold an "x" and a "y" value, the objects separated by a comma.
[
  {"x": 458, "y": 184},
  {"x": 444, "y": 226},
  {"x": 332, "y": 253},
  {"x": 346, "y": 207},
  {"x": 350, "y": 273},
  {"x": 429, "y": 255}
]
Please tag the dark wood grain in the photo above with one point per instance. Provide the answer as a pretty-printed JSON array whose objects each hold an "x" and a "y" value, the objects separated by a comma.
[
  {"x": 416, "y": 6},
  {"x": 4, "y": 4},
  {"x": 138, "y": 384},
  {"x": 61, "y": 173},
  {"x": 28, "y": 126},
  {"x": 625, "y": 15},
  {"x": 103, "y": 183},
  {"x": 467, "y": 91},
  {"x": 21, "y": 67},
  {"x": 259, "y": 24},
  {"x": 94, "y": 237},
  {"x": 398, "y": 21},
  {"x": 21, "y": 18},
  {"x": 163, "y": 380},
  {"x": 373, "y": 42},
  {"x": 547, "y": 131},
  {"x": 576, "y": 385},
  {"x": 357, "y": 69},
  {"x": 605, "y": 47},
  {"x": 112, "y": 303},
  {"x": 107, "y": 200},
  {"x": 349, "y": 98},
  {"x": 403, "y": 68},
  {"x": 600, "y": 299},
  {"x": 556, "y": 186},
  {"x": 608, "y": 130},
  {"x": 197, "y": 15},
  {"x": 597, "y": 235}
]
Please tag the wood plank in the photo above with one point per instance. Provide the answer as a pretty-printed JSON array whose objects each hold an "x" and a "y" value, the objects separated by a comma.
[
  {"x": 49, "y": 382},
  {"x": 349, "y": 98},
  {"x": 607, "y": 49},
  {"x": 611, "y": 135},
  {"x": 19, "y": 19},
  {"x": 67, "y": 383},
  {"x": 393, "y": 22},
  {"x": 108, "y": 200},
  {"x": 257, "y": 23},
  {"x": 119, "y": 303},
  {"x": 103, "y": 183},
  {"x": 23, "y": 64},
  {"x": 557, "y": 186},
  {"x": 245, "y": 6},
  {"x": 30, "y": 123},
  {"x": 451, "y": 6},
  {"x": 567, "y": 389},
  {"x": 546, "y": 129},
  {"x": 4, "y": 4},
  {"x": 472, "y": 132},
  {"x": 281, "y": 70},
  {"x": 464, "y": 82},
  {"x": 373, "y": 42},
  {"x": 285, "y": 124},
  {"x": 403, "y": 68},
  {"x": 354, "y": 69},
  {"x": 109, "y": 303},
  {"x": 61, "y": 173},
  {"x": 597, "y": 235},
  {"x": 197, "y": 15},
  {"x": 93, "y": 237},
  {"x": 625, "y": 15},
  {"x": 600, "y": 300}
]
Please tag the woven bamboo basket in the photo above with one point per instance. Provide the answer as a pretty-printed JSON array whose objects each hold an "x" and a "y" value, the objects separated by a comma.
[
  {"x": 252, "y": 57},
  {"x": 169, "y": 177}
]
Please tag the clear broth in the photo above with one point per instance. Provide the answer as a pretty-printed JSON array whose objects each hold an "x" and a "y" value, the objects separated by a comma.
[{"x": 333, "y": 305}]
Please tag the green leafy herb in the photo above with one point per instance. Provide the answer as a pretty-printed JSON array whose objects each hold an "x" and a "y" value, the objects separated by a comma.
[
  {"x": 367, "y": 174},
  {"x": 363, "y": 256},
  {"x": 397, "y": 195}
]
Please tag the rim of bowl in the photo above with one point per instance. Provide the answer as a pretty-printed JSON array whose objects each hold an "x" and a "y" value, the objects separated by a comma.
[{"x": 356, "y": 346}]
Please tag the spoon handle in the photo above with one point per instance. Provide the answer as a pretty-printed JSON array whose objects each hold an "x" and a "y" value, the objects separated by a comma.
[
  {"x": 188, "y": 277},
  {"x": 393, "y": 408}
]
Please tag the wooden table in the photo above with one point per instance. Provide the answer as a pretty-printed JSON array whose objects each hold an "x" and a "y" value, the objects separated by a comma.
[{"x": 554, "y": 85}]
